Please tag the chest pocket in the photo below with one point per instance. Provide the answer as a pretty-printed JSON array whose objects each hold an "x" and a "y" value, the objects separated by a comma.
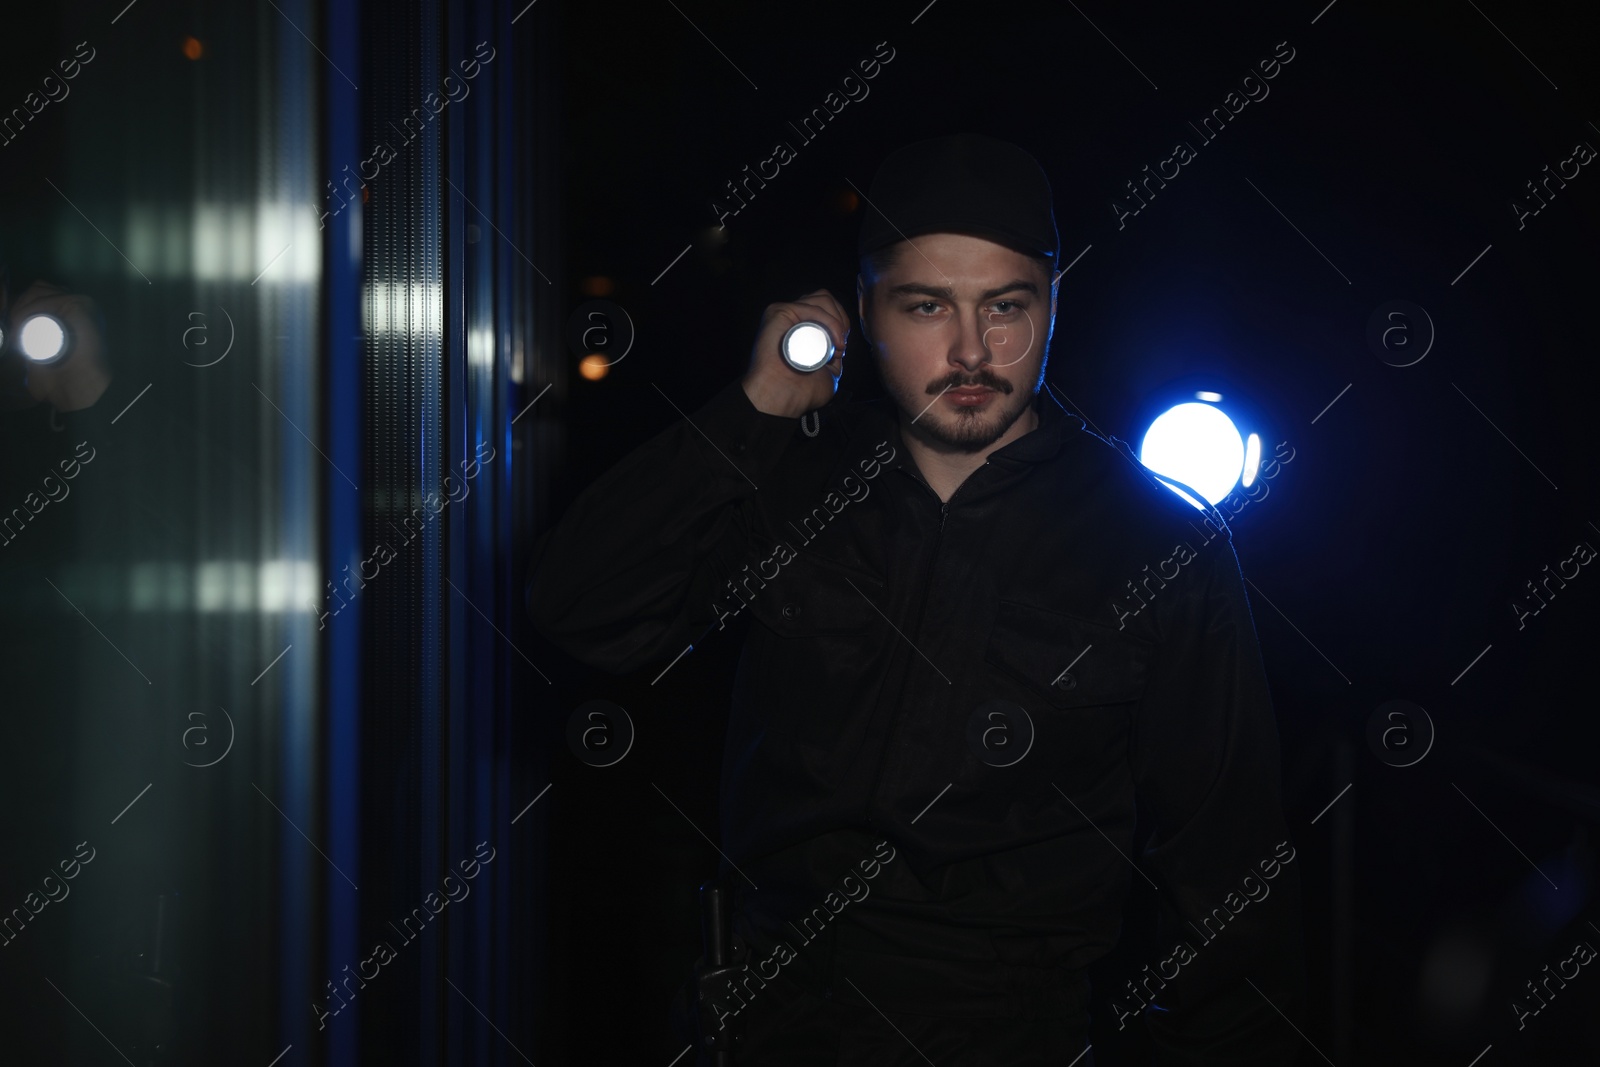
[
  {"x": 1070, "y": 662},
  {"x": 820, "y": 640},
  {"x": 1079, "y": 682},
  {"x": 812, "y": 597}
]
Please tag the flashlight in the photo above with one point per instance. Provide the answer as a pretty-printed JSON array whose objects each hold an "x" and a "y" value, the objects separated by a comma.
[
  {"x": 42, "y": 338},
  {"x": 807, "y": 346}
]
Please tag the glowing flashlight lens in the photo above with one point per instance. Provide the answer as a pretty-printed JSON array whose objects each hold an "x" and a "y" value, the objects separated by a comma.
[
  {"x": 807, "y": 346},
  {"x": 42, "y": 338}
]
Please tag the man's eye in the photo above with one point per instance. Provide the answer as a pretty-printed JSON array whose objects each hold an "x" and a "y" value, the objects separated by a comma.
[
  {"x": 925, "y": 304},
  {"x": 1004, "y": 307}
]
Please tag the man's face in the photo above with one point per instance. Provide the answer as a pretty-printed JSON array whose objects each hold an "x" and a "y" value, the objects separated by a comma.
[{"x": 960, "y": 325}]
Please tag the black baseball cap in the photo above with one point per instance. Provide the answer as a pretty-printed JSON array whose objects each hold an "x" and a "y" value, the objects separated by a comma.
[{"x": 963, "y": 183}]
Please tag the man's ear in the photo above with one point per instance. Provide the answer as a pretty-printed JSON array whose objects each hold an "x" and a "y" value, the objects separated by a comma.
[
  {"x": 1050, "y": 329},
  {"x": 861, "y": 306}
]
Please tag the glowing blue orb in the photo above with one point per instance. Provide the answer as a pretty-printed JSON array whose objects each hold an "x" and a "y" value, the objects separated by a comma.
[
  {"x": 1197, "y": 445},
  {"x": 1252, "y": 459}
]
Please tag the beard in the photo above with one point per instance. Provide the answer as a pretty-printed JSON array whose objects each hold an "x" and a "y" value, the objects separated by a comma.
[{"x": 962, "y": 429}]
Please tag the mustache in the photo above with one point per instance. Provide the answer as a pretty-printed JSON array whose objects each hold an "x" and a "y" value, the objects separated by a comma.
[{"x": 984, "y": 377}]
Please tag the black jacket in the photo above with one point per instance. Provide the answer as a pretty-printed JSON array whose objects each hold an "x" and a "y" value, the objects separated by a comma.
[{"x": 884, "y": 627}]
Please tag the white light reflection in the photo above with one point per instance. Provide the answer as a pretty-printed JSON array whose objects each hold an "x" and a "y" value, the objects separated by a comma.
[
  {"x": 480, "y": 349},
  {"x": 413, "y": 310},
  {"x": 275, "y": 586}
]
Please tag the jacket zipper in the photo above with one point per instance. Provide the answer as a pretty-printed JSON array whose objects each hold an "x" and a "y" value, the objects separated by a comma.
[
  {"x": 922, "y": 606},
  {"x": 938, "y": 541}
]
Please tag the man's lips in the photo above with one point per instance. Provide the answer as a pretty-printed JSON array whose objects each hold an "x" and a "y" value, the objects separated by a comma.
[{"x": 969, "y": 396}]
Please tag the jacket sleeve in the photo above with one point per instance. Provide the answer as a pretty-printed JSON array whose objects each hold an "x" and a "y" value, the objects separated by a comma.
[
  {"x": 630, "y": 574},
  {"x": 1206, "y": 770}
]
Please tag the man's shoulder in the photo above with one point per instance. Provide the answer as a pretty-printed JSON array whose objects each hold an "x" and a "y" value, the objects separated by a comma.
[
  {"x": 845, "y": 431},
  {"x": 857, "y": 414},
  {"x": 1102, "y": 479}
]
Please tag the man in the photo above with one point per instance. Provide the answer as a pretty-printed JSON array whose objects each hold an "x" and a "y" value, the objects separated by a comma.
[{"x": 981, "y": 641}]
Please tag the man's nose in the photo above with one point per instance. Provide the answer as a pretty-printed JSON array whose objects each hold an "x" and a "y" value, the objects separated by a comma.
[{"x": 970, "y": 347}]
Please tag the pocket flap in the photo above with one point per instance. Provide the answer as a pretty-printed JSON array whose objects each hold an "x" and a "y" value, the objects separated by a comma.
[
  {"x": 1071, "y": 662},
  {"x": 813, "y": 597}
]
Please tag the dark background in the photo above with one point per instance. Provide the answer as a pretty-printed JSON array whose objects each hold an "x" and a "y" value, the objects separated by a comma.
[{"x": 1384, "y": 560}]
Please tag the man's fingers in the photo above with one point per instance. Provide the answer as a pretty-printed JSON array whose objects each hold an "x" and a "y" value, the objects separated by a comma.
[
  {"x": 831, "y": 302},
  {"x": 42, "y": 297},
  {"x": 837, "y": 323}
]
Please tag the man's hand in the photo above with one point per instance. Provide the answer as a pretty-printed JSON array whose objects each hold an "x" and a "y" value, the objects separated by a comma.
[
  {"x": 776, "y": 388},
  {"x": 76, "y": 381}
]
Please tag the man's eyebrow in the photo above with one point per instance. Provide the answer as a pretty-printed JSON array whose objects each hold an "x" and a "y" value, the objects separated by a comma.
[{"x": 944, "y": 292}]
